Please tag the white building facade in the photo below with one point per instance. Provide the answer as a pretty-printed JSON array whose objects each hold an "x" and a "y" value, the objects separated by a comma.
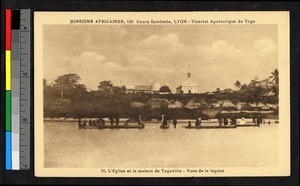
[
  {"x": 153, "y": 88},
  {"x": 188, "y": 87}
]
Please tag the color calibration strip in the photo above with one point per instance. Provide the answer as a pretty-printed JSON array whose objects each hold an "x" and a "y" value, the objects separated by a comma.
[
  {"x": 17, "y": 97},
  {"x": 8, "y": 152}
]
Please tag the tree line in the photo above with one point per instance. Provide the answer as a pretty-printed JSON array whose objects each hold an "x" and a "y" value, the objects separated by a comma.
[{"x": 66, "y": 97}]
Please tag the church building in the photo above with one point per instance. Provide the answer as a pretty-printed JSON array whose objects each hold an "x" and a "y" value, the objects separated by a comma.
[{"x": 188, "y": 87}]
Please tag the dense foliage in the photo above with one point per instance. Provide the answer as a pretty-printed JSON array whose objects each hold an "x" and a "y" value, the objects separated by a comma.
[{"x": 66, "y": 97}]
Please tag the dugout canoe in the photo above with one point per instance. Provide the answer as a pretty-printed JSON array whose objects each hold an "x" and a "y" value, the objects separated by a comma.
[
  {"x": 114, "y": 127},
  {"x": 247, "y": 125},
  {"x": 212, "y": 127}
]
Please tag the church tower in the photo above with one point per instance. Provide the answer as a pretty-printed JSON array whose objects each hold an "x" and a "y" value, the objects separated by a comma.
[{"x": 188, "y": 87}]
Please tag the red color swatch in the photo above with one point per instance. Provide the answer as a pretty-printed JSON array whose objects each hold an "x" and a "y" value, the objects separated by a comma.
[{"x": 8, "y": 29}]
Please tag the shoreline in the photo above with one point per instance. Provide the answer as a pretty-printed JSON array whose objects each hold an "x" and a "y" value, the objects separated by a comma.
[{"x": 212, "y": 121}]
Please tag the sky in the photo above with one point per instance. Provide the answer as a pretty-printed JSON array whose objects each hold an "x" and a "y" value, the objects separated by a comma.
[{"x": 218, "y": 55}]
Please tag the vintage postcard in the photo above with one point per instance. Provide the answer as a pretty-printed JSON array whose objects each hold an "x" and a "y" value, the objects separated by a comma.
[{"x": 161, "y": 94}]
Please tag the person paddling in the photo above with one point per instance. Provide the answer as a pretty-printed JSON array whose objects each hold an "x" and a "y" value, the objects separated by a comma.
[
  {"x": 189, "y": 124},
  {"x": 243, "y": 122},
  {"x": 220, "y": 121},
  {"x": 197, "y": 123},
  {"x": 117, "y": 120},
  {"x": 164, "y": 122},
  {"x": 112, "y": 121},
  {"x": 101, "y": 121},
  {"x": 174, "y": 122},
  {"x": 79, "y": 122},
  {"x": 140, "y": 120}
]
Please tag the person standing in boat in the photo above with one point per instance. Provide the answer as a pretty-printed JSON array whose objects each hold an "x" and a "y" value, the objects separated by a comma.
[
  {"x": 243, "y": 122},
  {"x": 220, "y": 121},
  {"x": 259, "y": 120},
  {"x": 189, "y": 124},
  {"x": 127, "y": 122},
  {"x": 254, "y": 119},
  {"x": 164, "y": 121},
  {"x": 79, "y": 122},
  {"x": 174, "y": 122},
  {"x": 234, "y": 120},
  {"x": 140, "y": 120},
  {"x": 112, "y": 121},
  {"x": 101, "y": 121},
  {"x": 117, "y": 120},
  {"x": 225, "y": 120},
  {"x": 197, "y": 122}
]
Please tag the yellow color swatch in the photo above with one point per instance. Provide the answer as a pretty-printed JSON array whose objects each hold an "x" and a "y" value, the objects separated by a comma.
[{"x": 8, "y": 69}]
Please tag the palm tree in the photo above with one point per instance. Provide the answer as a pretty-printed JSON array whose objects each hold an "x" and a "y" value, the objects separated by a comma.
[
  {"x": 237, "y": 84},
  {"x": 275, "y": 80},
  {"x": 275, "y": 76}
]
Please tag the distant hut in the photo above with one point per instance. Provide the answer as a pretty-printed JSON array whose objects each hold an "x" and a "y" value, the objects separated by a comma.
[
  {"x": 272, "y": 106},
  {"x": 211, "y": 112},
  {"x": 243, "y": 106},
  {"x": 202, "y": 104},
  {"x": 156, "y": 103},
  {"x": 269, "y": 94},
  {"x": 193, "y": 109},
  {"x": 228, "y": 105},
  {"x": 136, "y": 105},
  {"x": 175, "y": 105},
  {"x": 215, "y": 105},
  {"x": 259, "y": 106},
  {"x": 191, "y": 105},
  {"x": 253, "y": 113}
]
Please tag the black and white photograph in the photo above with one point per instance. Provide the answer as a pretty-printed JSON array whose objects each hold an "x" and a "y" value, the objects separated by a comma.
[{"x": 162, "y": 94}]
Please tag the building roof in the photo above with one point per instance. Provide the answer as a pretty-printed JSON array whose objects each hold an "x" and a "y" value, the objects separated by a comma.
[
  {"x": 273, "y": 106},
  {"x": 155, "y": 103},
  {"x": 175, "y": 105},
  {"x": 215, "y": 105},
  {"x": 243, "y": 106},
  {"x": 259, "y": 105},
  {"x": 189, "y": 82},
  {"x": 191, "y": 105},
  {"x": 228, "y": 104},
  {"x": 271, "y": 93},
  {"x": 139, "y": 87}
]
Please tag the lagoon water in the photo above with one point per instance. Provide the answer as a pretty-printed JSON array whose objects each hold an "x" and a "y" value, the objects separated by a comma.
[{"x": 67, "y": 146}]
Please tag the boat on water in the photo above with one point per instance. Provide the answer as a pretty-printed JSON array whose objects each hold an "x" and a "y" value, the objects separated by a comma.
[
  {"x": 212, "y": 127},
  {"x": 114, "y": 127},
  {"x": 248, "y": 125}
]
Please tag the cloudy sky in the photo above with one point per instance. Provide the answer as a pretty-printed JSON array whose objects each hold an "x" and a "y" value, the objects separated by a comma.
[{"x": 138, "y": 55}]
